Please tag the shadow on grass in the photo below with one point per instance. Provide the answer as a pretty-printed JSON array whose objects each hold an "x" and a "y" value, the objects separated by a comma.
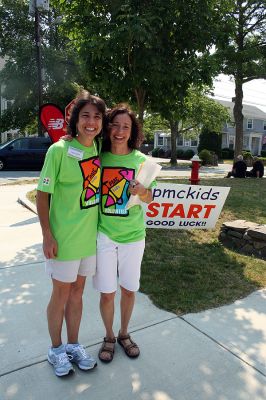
[{"x": 182, "y": 275}]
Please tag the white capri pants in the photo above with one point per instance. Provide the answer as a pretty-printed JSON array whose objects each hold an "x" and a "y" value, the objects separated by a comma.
[{"x": 122, "y": 260}]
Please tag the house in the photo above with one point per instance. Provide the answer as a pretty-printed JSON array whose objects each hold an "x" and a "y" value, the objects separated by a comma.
[
  {"x": 254, "y": 127},
  {"x": 163, "y": 139}
]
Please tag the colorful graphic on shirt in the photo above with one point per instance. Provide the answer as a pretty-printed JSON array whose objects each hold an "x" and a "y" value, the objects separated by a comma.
[
  {"x": 115, "y": 194},
  {"x": 91, "y": 172}
]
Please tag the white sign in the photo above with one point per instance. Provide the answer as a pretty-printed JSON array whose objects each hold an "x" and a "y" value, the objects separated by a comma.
[{"x": 177, "y": 206}]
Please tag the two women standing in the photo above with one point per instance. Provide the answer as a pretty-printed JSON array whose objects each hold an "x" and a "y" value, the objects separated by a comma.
[{"x": 67, "y": 203}]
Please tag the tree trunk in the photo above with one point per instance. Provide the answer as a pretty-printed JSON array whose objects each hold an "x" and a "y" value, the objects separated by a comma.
[
  {"x": 174, "y": 134},
  {"x": 140, "y": 97},
  {"x": 238, "y": 116}
]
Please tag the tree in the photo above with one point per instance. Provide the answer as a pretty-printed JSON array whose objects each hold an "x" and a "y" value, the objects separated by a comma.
[
  {"x": 143, "y": 52},
  {"x": 120, "y": 43},
  {"x": 241, "y": 47},
  {"x": 190, "y": 61},
  {"x": 19, "y": 75},
  {"x": 153, "y": 122},
  {"x": 198, "y": 111},
  {"x": 211, "y": 141},
  {"x": 202, "y": 111}
]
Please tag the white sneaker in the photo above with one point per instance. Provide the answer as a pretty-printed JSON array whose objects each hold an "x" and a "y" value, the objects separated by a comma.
[
  {"x": 58, "y": 357},
  {"x": 79, "y": 356}
]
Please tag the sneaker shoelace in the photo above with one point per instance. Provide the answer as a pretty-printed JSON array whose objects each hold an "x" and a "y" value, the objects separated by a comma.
[
  {"x": 80, "y": 351},
  {"x": 63, "y": 358}
]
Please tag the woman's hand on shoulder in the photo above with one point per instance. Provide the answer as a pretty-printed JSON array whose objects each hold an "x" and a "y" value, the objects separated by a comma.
[{"x": 66, "y": 138}]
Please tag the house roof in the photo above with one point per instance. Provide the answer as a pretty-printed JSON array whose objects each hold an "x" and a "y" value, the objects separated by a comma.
[{"x": 248, "y": 111}]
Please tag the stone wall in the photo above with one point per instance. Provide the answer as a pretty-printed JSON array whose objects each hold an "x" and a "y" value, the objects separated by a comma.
[{"x": 247, "y": 237}]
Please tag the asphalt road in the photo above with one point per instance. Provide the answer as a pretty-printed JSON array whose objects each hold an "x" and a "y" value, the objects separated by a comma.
[{"x": 181, "y": 171}]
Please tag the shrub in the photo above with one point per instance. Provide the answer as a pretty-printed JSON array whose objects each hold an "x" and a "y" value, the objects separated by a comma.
[
  {"x": 161, "y": 152},
  {"x": 263, "y": 153},
  {"x": 167, "y": 153},
  {"x": 205, "y": 156},
  {"x": 227, "y": 154},
  {"x": 155, "y": 151},
  {"x": 248, "y": 158},
  {"x": 188, "y": 154},
  {"x": 263, "y": 160},
  {"x": 179, "y": 153},
  {"x": 246, "y": 153},
  {"x": 209, "y": 140},
  {"x": 214, "y": 158}
]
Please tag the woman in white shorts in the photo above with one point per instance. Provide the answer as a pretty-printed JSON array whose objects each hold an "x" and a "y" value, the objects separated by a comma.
[
  {"x": 67, "y": 203},
  {"x": 121, "y": 232}
]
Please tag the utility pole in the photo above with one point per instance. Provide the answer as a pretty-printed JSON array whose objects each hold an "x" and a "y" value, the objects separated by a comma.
[
  {"x": 35, "y": 6},
  {"x": 39, "y": 63}
]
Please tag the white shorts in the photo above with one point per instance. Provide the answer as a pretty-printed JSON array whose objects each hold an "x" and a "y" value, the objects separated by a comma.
[
  {"x": 68, "y": 271},
  {"x": 117, "y": 259}
]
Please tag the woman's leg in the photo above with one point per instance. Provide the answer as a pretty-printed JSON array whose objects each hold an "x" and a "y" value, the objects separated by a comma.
[
  {"x": 73, "y": 309},
  {"x": 107, "y": 313},
  {"x": 127, "y": 304},
  {"x": 126, "y": 307},
  {"x": 56, "y": 309}
]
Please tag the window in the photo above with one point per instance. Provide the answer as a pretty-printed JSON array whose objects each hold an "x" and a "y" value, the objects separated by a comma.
[
  {"x": 264, "y": 125},
  {"x": 20, "y": 144},
  {"x": 180, "y": 140},
  {"x": 160, "y": 141},
  {"x": 246, "y": 142},
  {"x": 249, "y": 123},
  {"x": 231, "y": 142},
  {"x": 39, "y": 143},
  {"x": 187, "y": 142},
  {"x": 194, "y": 142}
]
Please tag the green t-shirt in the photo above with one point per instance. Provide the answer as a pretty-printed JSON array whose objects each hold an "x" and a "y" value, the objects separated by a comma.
[
  {"x": 71, "y": 173},
  {"x": 115, "y": 221}
]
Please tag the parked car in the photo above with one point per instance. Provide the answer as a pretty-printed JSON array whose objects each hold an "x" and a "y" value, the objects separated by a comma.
[{"x": 24, "y": 153}]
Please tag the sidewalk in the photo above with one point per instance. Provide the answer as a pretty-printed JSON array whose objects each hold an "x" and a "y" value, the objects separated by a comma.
[{"x": 218, "y": 354}]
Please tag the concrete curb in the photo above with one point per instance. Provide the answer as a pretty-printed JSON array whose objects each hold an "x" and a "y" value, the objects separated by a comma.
[{"x": 25, "y": 202}]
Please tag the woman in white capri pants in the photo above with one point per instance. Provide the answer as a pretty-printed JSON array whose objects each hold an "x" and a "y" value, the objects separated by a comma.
[{"x": 121, "y": 232}]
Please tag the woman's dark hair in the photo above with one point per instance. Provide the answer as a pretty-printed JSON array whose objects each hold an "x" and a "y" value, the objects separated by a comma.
[
  {"x": 136, "y": 136},
  {"x": 84, "y": 98}
]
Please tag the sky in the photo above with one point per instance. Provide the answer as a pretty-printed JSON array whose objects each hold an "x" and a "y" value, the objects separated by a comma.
[{"x": 254, "y": 91}]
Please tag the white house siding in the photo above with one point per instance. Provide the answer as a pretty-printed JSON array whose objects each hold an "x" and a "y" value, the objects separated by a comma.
[
  {"x": 163, "y": 139},
  {"x": 253, "y": 139}
]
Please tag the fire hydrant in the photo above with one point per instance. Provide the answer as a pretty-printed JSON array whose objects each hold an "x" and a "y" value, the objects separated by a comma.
[{"x": 194, "y": 178}]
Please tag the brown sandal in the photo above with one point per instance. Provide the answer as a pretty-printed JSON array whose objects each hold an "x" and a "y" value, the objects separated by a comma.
[
  {"x": 106, "y": 349},
  {"x": 127, "y": 348}
]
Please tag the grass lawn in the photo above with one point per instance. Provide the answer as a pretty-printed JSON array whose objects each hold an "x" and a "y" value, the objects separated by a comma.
[
  {"x": 230, "y": 162},
  {"x": 189, "y": 271}
]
